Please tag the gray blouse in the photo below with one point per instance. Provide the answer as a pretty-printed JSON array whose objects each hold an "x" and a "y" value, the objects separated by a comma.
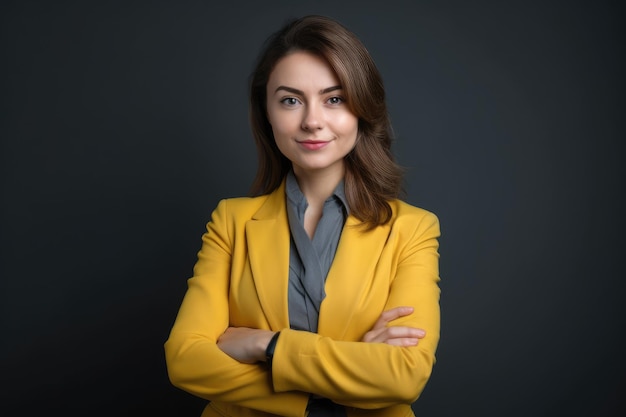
[{"x": 310, "y": 259}]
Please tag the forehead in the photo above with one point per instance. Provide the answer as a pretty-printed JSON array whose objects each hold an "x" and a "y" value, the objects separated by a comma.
[{"x": 301, "y": 70}]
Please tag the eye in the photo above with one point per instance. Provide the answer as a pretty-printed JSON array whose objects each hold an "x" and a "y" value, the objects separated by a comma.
[
  {"x": 335, "y": 100},
  {"x": 290, "y": 101}
]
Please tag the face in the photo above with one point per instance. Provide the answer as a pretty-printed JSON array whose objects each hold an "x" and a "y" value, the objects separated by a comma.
[{"x": 310, "y": 119}]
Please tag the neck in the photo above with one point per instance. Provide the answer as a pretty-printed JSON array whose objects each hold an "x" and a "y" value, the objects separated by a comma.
[{"x": 317, "y": 186}]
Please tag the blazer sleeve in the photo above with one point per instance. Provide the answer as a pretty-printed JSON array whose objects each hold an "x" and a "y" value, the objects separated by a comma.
[
  {"x": 194, "y": 361},
  {"x": 374, "y": 375}
]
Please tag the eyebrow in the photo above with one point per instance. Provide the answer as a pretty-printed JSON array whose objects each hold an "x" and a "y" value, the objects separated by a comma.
[{"x": 296, "y": 91}]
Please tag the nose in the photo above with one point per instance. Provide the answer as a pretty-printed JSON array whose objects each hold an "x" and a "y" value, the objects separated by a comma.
[{"x": 312, "y": 118}]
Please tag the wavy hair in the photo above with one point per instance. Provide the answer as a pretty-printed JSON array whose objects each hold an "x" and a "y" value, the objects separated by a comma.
[{"x": 372, "y": 176}]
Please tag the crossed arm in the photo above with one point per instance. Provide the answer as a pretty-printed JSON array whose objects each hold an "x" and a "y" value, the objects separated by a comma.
[
  {"x": 389, "y": 365},
  {"x": 248, "y": 345}
]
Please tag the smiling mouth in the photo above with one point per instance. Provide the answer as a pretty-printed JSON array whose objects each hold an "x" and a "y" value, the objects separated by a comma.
[{"x": 312, "y": 144}]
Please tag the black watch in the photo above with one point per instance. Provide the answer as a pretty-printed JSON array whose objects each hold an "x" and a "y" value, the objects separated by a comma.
[{"x": 269, "y": 351}]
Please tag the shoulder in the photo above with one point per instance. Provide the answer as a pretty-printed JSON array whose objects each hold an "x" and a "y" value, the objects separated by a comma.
[
  {"x": 414, "y": 219},
  {"x": 240, "y": 207},
  {"x": 238, "y": 210},
  {"x": 405, "y": 211}
]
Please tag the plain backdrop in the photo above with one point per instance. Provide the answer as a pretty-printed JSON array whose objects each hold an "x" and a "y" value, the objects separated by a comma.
[{"x": 123, "y": 123}]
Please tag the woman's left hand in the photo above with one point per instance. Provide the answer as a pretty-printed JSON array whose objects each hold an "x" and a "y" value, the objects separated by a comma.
[
  {"x": 244, "y": 344},
  {"x": 394, "y": 335}
]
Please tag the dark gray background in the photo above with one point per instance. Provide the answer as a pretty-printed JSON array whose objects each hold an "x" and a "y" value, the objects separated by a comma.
[{"x": 123, "y": 124}]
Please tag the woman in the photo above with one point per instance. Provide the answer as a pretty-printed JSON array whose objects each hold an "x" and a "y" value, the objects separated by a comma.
[{"x": 320, "y": 294}]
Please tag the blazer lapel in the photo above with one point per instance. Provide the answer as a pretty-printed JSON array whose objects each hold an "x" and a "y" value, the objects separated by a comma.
[
  {"x": 267, "y": 235},
  {"x": 350, "y": 276}
]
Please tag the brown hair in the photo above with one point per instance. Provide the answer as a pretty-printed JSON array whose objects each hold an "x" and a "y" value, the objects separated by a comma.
[{"x": 372, "y": 176}]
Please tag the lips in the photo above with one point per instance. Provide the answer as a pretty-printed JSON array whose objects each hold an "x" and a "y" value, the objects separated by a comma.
[{"x": 313, "y": 145}]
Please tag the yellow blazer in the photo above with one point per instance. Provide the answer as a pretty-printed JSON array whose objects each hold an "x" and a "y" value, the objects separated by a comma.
[{"x": 241, "y": 278}]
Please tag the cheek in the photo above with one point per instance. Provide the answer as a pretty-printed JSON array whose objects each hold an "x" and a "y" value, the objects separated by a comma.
[
  {"x": 349, "y": 125},
  {"x": 281, "y": 132},
  {"x": 285, "y": 124},
  {"x": 278, "y": 130}
]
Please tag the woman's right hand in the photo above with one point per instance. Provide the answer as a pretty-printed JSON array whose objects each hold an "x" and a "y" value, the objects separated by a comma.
[
  {"x": 244, "y": 344},
  {"x": 394, "y": 335}
]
